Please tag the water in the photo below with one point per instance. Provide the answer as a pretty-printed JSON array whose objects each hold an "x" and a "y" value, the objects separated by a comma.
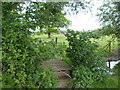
[{"x": 112, "y": 64}]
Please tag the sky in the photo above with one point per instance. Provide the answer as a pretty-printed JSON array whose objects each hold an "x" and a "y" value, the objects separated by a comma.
[{"x": 88, "y": 21}]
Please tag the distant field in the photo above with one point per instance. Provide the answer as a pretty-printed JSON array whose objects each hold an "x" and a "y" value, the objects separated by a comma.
[
  {"x": 61, "y": 38},
  {"x": 104, "y": 41}
]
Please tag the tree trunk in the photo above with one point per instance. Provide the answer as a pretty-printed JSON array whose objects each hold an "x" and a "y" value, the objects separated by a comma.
[{"x": 49, "y": 35}]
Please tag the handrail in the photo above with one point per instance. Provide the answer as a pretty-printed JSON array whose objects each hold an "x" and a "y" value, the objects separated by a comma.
[{"x": 108, "y": 46}]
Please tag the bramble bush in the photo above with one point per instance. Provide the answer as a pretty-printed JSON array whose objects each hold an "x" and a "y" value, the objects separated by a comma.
[
  {"x": 22, "y": 62},
  {"x": 86, "y": 59},
  {"x": 22, "y": 56}
]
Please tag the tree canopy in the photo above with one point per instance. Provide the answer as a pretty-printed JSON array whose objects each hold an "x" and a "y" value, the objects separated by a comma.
[
  {"x": 109, "y": 17},
  {"x": 48, "y": 17}
]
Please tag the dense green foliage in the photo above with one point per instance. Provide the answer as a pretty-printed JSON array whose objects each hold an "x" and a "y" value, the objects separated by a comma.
[
  {"x": 116, "y": 69},
  {"x": 109, "y": 16},
  {"x": 22, "y": 64},
  {"x": 22, "y": 56},
  {"x": 52, "y": 49},
  {"x": 86, "y": 60},
  {"x": 52, "y": 16},
  {"x": 82, "y": 77}
]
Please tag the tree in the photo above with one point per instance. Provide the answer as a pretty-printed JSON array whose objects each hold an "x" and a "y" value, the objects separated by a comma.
[
  {"x": 50, "y": 16},
  {"x": 47, "y": 16},
  {"x": 109, "y": 16}
]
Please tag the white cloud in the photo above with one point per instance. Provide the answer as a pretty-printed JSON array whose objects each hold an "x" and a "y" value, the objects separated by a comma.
[{"x": 86, "y": 21}]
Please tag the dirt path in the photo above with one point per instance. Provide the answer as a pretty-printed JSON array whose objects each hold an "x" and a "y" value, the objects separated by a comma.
[
  {"x": 64, "y": 79},
  {"x": 61, "y": 69}
]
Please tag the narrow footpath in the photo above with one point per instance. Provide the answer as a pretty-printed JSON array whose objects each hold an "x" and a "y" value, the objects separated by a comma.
[{"x": 62, "y": 70}]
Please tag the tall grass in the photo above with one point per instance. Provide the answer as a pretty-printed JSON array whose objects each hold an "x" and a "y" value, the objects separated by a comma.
[{"x": 112, "y": 82}]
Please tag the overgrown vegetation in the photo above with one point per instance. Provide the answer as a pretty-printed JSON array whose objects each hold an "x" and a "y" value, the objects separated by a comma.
[
  {"x": 87, "y": 62},
  {"x": 112, "y": 81},
  {"x": 22, "y": 64},
  {"x": 23, "y": 55}
]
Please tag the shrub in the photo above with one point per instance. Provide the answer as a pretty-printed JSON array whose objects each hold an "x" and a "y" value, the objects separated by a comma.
[
  {"x": 49, "y": 50},
  {"x": 22, "y": 61},
  {"x": 82, "y": 77},
  {"x": 86, "y": 59}
]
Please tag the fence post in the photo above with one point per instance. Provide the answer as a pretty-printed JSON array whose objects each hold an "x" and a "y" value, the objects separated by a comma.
[
  {"x": 110, "y": 47},
  {"x": 56, "y": 40},
  {"x": 109, "y": 64}
]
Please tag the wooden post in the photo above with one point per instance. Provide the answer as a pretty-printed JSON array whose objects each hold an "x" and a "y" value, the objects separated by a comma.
[
  {"x": 109, "y": 47},
  {"x": 56, "y": 40},
  {"x": 109, "y": 64}
]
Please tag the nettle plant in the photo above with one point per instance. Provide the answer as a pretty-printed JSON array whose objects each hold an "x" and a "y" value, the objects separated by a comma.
[{"x": 87, "y": 62}]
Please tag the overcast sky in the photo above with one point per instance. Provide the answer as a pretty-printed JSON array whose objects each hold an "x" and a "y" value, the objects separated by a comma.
[{"x": 86, "y": 21}]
